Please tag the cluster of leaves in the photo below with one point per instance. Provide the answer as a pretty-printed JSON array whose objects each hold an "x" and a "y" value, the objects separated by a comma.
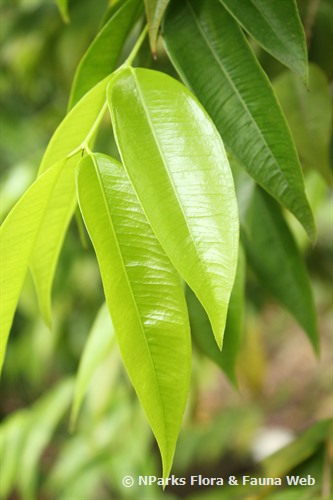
[{"x": 167, "y": 213}]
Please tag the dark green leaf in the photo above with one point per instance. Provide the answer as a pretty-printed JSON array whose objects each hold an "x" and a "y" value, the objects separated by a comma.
[
  {"x": 276, "y": 26},
  {"x": 144, "y": 294},
  {"x": 177, "y": 164},
  {"x": 225, "y": 75},
  {"x": 202, "y": 331},
  {"x": 273, "y": 254}
]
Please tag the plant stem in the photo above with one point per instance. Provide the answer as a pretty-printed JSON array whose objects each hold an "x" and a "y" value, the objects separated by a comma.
[{"x": 136, "y": 47}]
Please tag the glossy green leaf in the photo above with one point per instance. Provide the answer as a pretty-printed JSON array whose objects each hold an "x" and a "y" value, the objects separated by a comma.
[
  {"x": 73, "y": 134},
  {"x": 202, "y": 331},
  {"x": 276, "y": 26},
  {"x": 155, "y": 11},
  {"x": 274, "y": 256},
  {"x": 177, "y": 164},
  {"x": 309, "y": 115},
  {"x": 103, "y": 54},
  {"x": 238, "y": 96},
  {"x": 98, "y": 346},
  {"x": 63, "y": 9},
  {"x": 18, "y": 234},
  {"x": 144, "y": 294}
]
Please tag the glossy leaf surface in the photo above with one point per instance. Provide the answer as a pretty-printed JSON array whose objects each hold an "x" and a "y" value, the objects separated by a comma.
[
  {"x": 18, "y": 234},
  {"x": 177, "y": 164},
  {"x": 98, "y": 346},
  {"x": 281, "y": 269},
  {"x": 75, "y": 131},
  {"x": 103, "y": 54},
  {"x": 309, "y": 115},
  {"x": 144, "y": 295},
  {"x": 155, "y": 10},
  {"x": 276, "y": 26},
  {"x": 202, "y": 331},
  {"x": 238, "y": 96},
  {"x": 63, "y": 9}
]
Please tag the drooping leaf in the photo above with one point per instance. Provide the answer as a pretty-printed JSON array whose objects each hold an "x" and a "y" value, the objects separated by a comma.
[
  {"x": 97, "y": 347},
  {"x": 63, "y": 9},
  {"x": 103, "y": 54},
  {"x": 226, "y": 77},
  {"x": 276, "y": 26},
  {"x": 75, "y": 131},
  {"x": 202, "y": 331},
  {"x": 155, "y": 10},
  {"x": 44, "y": 416},
  {"x": 309, "y": 115},
  {"x": 274, "y": 256},
  {"x": 144, "y": 295},
  {"x": 18, "y": 235},
  {"x": 178, "y": 167}
]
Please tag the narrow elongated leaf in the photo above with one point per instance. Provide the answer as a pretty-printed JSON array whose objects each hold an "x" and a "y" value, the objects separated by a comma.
[
  {"x": 276, "y": 26},
  {"x": 281, "y": 269},
  {"x": 18, "y": 235},
  {"x": 63, "y": 9},
  {"x": 238, "y": 96},
  {"x": 73, "y": 133},
  {"x": 177, "y": 164},
  {"x": 201, "y": 328},
  {"x": 102, "y": 55},
  {"x": 98, "y": 346},
  {"x": 144, "y": 295},
  {"x": 309, "y": 115},
  {"x": 155, "y": 10},
  {"x": 43, "y": 418}
]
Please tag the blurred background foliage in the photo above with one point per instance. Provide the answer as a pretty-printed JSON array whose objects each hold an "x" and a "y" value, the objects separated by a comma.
[{"x": 282, "y": 388}]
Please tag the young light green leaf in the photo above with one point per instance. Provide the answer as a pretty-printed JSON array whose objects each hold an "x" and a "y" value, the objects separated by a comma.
[
  {"x": 225, "y": 75},
  {"x": 281, "y": 269},
  {"x": 18, "y": 235},
  {"x": 74, "y": 132},
  {"x": 103, "y": 54},
  {"x": 309, "y": 115},
  {"x": 155, "y": 11},
  {"x": 276, "y": 27},
  {"x": 201, "y": 328},
  {"x": 98, "y": 346},
  {"x": 178, "y": 167},
  {"x": 144, "y": 294}
]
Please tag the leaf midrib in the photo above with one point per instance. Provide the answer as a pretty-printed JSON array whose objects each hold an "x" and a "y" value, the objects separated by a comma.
[
  {"x": 224, "y": 71},
  {"x": 146, "y": 111},
  {"x": 100, "y": 181}
]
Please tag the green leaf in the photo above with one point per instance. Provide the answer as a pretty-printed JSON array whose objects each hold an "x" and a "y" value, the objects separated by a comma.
[
  {"x": 103, "y": 54},
  {"x": 144, "y": 295},
  {"x": 74, "y": 133},
  {"x": 224, "y": 74},
  {"x": 177, "y": 164},
  {"x": 63, "y": 9},
  {"x": 155, "y": 11},
  {"x": 97, "y": 347},
  {"x": 299, "y": 450},
  {"x": 274, "y": 256},
  {"x": 44, "y": 416},
  {"x": 309, "y": 115},
  {"x": 201, "y": 328},
  {"x": 18, "y": 235},
  {"x": 276, "y": 26}
]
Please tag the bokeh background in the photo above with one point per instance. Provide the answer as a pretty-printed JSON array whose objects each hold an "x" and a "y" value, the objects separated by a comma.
[{"x": 283, "y": 389}]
